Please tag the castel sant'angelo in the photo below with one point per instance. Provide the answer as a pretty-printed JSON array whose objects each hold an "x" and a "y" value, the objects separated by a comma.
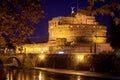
[
  {"x": 79, "y": 26},
  {"x": 78, "y": 33}
]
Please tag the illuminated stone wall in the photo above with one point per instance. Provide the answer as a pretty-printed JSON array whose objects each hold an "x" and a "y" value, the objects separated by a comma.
[
  {"x": 33, "y": 48},
  {"x": 87, "y": 62},
  {"x": 80, "y": 25},
  {"x": 63, "y": 32}
]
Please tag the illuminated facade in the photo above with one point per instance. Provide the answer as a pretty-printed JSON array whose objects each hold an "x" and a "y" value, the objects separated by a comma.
[
  {"x": 78, "y": 26},
  {"x": 63, "y": 32},
  {"x": 33, "y": 48}
]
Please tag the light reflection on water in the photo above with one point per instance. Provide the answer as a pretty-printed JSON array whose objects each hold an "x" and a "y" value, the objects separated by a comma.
[
  {"x": 40, "y": 76},
  {"x": 19, "y": 74},
  {"x": 78, "y": 78}
]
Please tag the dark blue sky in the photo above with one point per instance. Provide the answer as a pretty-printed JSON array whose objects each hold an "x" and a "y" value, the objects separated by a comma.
[
  {"x": 55, "y": 8},
  {"x": 52, "y": 8}
]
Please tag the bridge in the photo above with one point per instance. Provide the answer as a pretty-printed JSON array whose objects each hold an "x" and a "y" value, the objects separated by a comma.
[{"x": 20, "y": 60}]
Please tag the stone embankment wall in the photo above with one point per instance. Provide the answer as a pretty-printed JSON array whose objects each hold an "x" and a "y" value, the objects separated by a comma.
[{"x": 87, "y": 62}]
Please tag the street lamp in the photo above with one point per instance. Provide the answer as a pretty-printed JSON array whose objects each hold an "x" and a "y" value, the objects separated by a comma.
[
  {"x": 80, "y": 57},
  {"x": 42, "y": 56}
]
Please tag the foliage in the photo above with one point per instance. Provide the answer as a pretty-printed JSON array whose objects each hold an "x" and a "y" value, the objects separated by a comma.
[
  {"x": 110, "y": 8},
  {"x": 103, "y": 7},
  {"x": 17, "y": 18},
  {"x": 114, "y": 38}
]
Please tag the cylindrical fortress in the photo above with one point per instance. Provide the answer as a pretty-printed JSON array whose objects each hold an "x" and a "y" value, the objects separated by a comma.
[{"x": 78, "y": 26}]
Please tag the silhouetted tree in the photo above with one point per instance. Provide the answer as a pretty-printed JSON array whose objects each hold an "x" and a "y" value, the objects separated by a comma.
[
  {"x": 110, "y": 8},
  {"x": 17, "y": 18},
  {"x": 114, "y": 38}
]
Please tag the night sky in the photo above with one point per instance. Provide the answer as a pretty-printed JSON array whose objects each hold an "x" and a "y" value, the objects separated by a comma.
[{"x": 55, "y": 8}]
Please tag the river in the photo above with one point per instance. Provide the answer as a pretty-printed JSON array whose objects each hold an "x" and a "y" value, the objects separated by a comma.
[{"x": 32, "y": 74}]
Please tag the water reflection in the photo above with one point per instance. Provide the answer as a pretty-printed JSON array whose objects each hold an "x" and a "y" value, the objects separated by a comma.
[
  {"x": 78, "y": 78},
  {"x": 18, "y": 74},
  {"x": 41, "y": 75}
]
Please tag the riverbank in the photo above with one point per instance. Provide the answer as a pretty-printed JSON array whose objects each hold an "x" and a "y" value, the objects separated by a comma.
[
  {"x": 81, "y": 73},
  {"x": 101, "y": 75}
]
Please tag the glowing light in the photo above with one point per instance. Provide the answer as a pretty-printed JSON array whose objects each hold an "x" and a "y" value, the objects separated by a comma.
[
  {"x": 99, "y": 39},
  {"x": 78, "y": 78},
  {"x": 42, "y": 56},
  {"x": 61, "y": 52},
  {"x": 80, "y": 57},
  {"x": 40, "y": 76}
]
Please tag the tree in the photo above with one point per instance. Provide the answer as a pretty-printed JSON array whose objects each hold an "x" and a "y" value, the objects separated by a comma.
[
  {"x": 114, "y": 38},
  {"x": 17, "y": 18},
  {"x": 110, "y": 8}
]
